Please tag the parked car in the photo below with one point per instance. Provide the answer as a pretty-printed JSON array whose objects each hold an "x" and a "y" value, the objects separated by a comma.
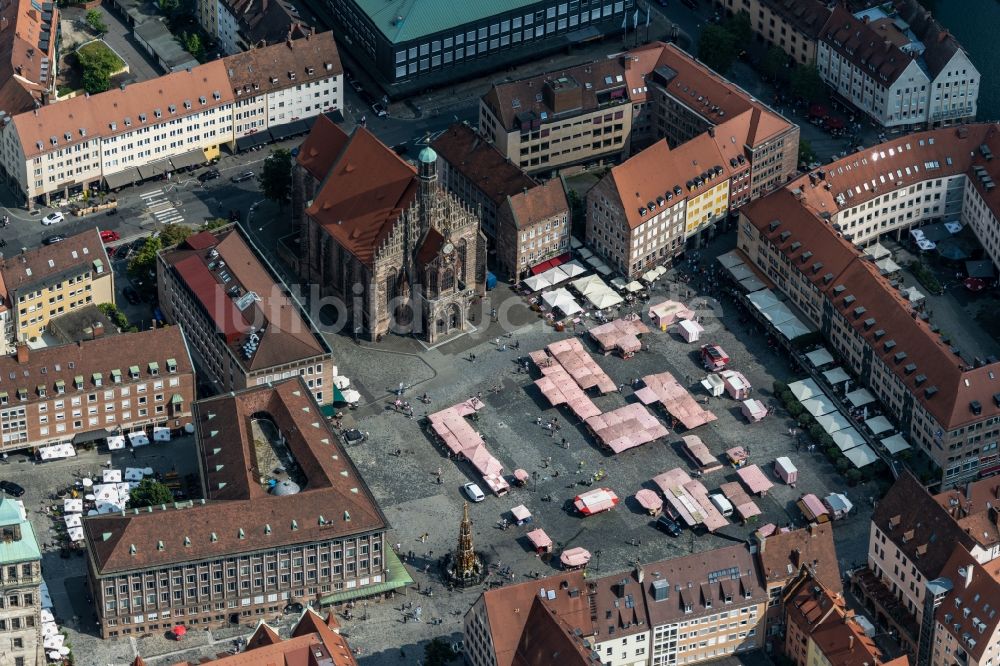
[
  {"x": 131, "y": 295},
  {"x": 109, "y": 236},
  {"x": 211, "y": 174},
  {"x": 474, "y": 492},
  {"x": 241, "y": 177},
  {"x": 668, "y": 525},
  {"x": 379, "y": 110},
  {"x": 358, "y": 88},
  {"x": 11, "y": 488},
  {"x": 52, "y": 240},
  {"x": 53, "y": 218}
]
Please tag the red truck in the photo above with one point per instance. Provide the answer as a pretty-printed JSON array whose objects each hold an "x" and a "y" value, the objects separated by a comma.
[{"x": 714, "y": 358}]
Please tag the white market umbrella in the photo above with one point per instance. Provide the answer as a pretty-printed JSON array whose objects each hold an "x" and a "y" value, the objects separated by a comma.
[{"x": 341, "y": 382}]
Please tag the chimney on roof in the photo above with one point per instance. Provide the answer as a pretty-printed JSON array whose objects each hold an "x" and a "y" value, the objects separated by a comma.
[
  {"x": 627, "y": 62},
  {"x": 850, "y": 639},
  {"x": 22, "y": 353},
  {"x": 98, "y": 329},
  {"x": 966, "y": 573}
]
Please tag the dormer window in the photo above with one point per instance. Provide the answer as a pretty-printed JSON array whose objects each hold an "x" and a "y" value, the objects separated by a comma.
[
  {"x": 60, "y": 387},
  {"x": 187, "y": 104},
  {"x": 98, "y": 379},
  {"x": 128, "y": 122},
  {"x": 158, "y": 113},
  {"x": 688, "y": 608},
  {"x": 172, "y": 109},
  {"x": 78, "y": 382},
  {"x": 3, "y": 398},
  {"x": 216, "y": 96},
  {"x": 202, "y": 100},
  {"x": 41, "y": 390},
  {"x": 22, "y": 394},
  {"x": 133, "y": 372},
  {"x": 116, "y": 376},
  {"x": 68, "y": 136},
  {"x": 154, "y": 368},
  {"x": 310, "y": 70},
  {"x": 291, "y": 75},
  {"x": 114, "y": 126},
  {"x": 171, "y": 365},
  {"x": 142, "y": 117}
]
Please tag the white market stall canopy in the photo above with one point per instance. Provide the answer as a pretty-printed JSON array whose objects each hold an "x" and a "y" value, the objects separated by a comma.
[
  {"x": 847, "y": 439},
  {"x": 605, "y": 298},
  {"x": 833, "y": 422},
  {"x": 57, "y": 452},
  {"x": 537, "y": 282},
  {"x": 819, "y": 405},
  {"x": 805, "y": 389},
  {"x": 820, "y": 357},
  {"x": 861, "y": 455},
  {"x": 573, "y": 269},
  {"x": 878, "y": 425},
  {"x": 793, "y": 328},
  {"x": 562, "y": 299},
  {"x": 836, "y": 375},
  {"x": 591, "y": 283},
  {"x": 116, "y": 442},
  {"x": 763, "y": 299},
  {"x": 895, "y": 443},
  {"x": 860, "y": 397}
]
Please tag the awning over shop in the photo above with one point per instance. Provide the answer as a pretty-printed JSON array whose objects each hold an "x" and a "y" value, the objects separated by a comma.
[
  {"x": 878, "y": 425},
  {"x": 122, "y": 178},
  {"x": 860, "y": 397},
  {"x": 819, "y": 405},
  {"x": 252, "y": 141},
  {"x": 847, "y": 439},
  {"x": 895, "y": 443},
  {"x": 836, "y": 376},
  {"x": 154, "y": 169},
  {"x": 805, "y": 389},
  {"x": 820, "y": 357},
  {"x": 861, "y": 455},
  {"x": 281, "y": 132},
  {"x": 191, "y": 158},
  {"x": 396, "y": 578},
  {"x": 92, "y": 436},
  {"x": 832, "y": 422}
]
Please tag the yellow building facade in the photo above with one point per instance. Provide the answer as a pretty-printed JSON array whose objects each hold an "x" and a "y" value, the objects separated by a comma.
[{"x": 707, "y": 208}]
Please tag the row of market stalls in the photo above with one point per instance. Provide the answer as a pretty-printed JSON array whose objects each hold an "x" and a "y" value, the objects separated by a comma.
[
  {"x": 115, "y": 442},
  {"x": 846, "y": 435},
  {"x": 762, "y": 299},
  {"x": 664, "y": 389},
  {"x": 621, "y": 335},
  {"x": 688, "y": 499},
  {"x": 450, "y": 427}
]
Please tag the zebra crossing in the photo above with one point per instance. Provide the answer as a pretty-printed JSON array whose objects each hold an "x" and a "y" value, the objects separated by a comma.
[{"x": 161, "y": 207}]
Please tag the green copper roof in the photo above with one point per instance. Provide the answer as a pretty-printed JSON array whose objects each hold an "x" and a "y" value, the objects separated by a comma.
[
  {"x": 23, "y": 550},
  {"x": 405, "y": 20},
  {"x": 427, "y": 155}
]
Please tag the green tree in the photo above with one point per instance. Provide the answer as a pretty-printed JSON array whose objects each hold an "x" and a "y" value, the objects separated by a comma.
[
  {"x": 173, "y": 234},
  {"x": 717, "y": 48},
  {"x": 775, "y": 64},
  {"x": 98, "y": 63},
  {"x": 96, "y": 81},
  {"x": 149, "y": 492},
  {"x": 214, "y": 223},
  {"x": 438, "y": 653},
  {"x": 738, "y": 25},
  {"x": 192, "y": 42},
  {"x": 168, "y": 7},
  {"x": 853, "y": 476},
  {"x": 276, "y": 176},
  {"x": 145, "y": 259},
  {"x": 95, "y": 19},
  {"x": 112, "y": 312},
  {"x": 806, "y": 153},
  {"x": 806, "y": 83}
]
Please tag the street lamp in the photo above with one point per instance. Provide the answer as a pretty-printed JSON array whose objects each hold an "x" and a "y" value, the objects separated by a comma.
[{"x": 534, "y": 476}]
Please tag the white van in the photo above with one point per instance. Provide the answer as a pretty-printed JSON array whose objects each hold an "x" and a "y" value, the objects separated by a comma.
[{"x": 722, "y": 504}]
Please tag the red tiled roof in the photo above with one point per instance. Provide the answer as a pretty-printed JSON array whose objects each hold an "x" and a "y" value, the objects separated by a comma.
[
  {"x": 240, "y": 516},
  {"x": 363, "y": 195},
  {"x": 782, "y": 555},
  {"x": 539, "y": 203},
  {"x": 208, "y": 290},
  {"x": 322, "y": 147},
  {"x": 969, "y": 610},
  {"x": 481, "y": 163},
  {"x": 37, "y": 266},
  {"x": 655, "y": 172},
  {"x": 870, "y": 46}
]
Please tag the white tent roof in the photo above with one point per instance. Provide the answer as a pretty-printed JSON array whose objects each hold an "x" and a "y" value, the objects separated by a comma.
[
  {"x": 778, "y": 314},
  {"x": 649, "y": 275},
  {"x": 634, "y": 286},
  {"x": 805, "y": 389},
  {"x": 589, "y": 283},
  {"x": 729, "y": 259},
  {"x": 833, "y": 422},
  {"x": 752, "y": 284},
  {"x": 537, "y": 282},
  {"x": 556, "y": 275},
  {"x": 847, "y": 438},
  {"x": 878, "y": 425},
  {"x": 573, "y": 269},
  {"x": 584, "y": 253},
  {"x": 604, "y": 298},
  {"x": 819, "y": 405},
  {"x": 860, "y": 397},
  {"x": 836, "y": 375},
  {"x": 877, "y": 250},
  {"x": 861, "y": 455},
  {"x": 792, "y": 328},
  {"x": 763, "y": 299},
  {"x": 895, "y": 443},
  {"x": 820, "y": 356},
  {"x": 562, "y": 299}
]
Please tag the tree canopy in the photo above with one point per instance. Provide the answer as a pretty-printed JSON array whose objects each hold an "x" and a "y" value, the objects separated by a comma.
[
  {"x": 276, "y": 176},
  {"x": 806, "y": 83},
  {"x": 149, "y": 492},
  {"x": 98, "y": 63},
  {"x": 95, "y": 19},
  {"x": 717, "y": 48}
]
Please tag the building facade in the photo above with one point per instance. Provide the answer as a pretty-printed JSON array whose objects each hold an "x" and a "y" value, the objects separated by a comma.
[
  {"x": 478, "y": 174},
  {"x": 20, "y": 586},
  {"x": 244, "y": 329},
  {"x": 901, "y": 69},
  {"x": 242, "y": 25},
  {"x": 790, "y": 25},
  {"x": 144, "y": 130},
  {"x": 30, "y": 55},
  {"x": 604, "y": 111},
  {"x": 801, "y": 237},
  {"x": 385, "y": 238},
  {"x": 686, "y": 610},
  {"x": 533, "y": 227},
  {"x": 52, "y": 280},
  {"x": 86, "y": 391},
  {"x": 430, "y": 44},
  {"x": 249, "y": 549}
]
